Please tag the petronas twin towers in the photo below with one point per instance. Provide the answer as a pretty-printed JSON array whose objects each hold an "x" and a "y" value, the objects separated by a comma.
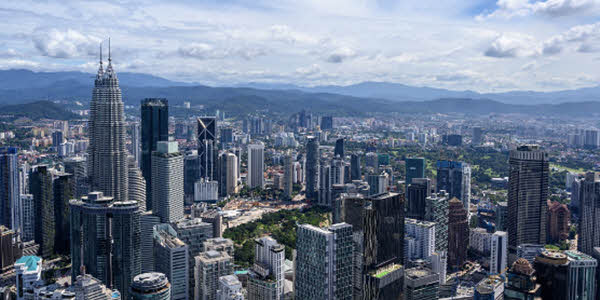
[{"x": 107, "y": 160}]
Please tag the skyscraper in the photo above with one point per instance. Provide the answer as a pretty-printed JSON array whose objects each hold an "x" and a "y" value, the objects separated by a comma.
[
  {"x": 107, "y": 151},
  {"x": 209, "y": 267},
  {"x": 415, "y": 168},
  {"x": 312, "y": 168},
  {"x": 171, "y": 259},
  {"x": 355, "y": 167},
  {"x": 167, "y": 176},
  {"x": 324, "y": 262},
  {"x": 436, "y": 210},
  {"x": 558, "y": 221},
  {"x": 325, "y": 184},
  {"x": 589, "y": 227},
  {"x": 455, "y": 178},
  {"x": 458, "y": 233},
  {"x": 10, "y": 212},
  {"x": 77, "y": 166},
  {"x": 521, "y": 282},
  {"x": 419, "y": 239},
  {"x": 527, "y": 195},
  {"x": 552, "y": 273},
  {"x": 256, "y": 165},
  {"x": 499, "y": 252},
  {"x": 155, "y": 128},
  {"x": 228, "y": 172},
  {"x": 207, "y": 146},
  {"x": 417, "y": 193},
  {"x": 421, "y": 284},
  {"x": 62, "y": 193},
  {"x": 137, "y": 184},
  {"x": 193, "y": 232},
  {"x": 265, "y": 280},
  {"x": 339, "y": 148},
  {"x": 105, "y": 240},
  {"x": 41, "y": 188},
  {"x": 288, "y": 176},
  {"x": 477, "y": 136}
]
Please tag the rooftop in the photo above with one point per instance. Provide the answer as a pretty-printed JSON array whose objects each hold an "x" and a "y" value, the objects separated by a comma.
[{"x": 30, "y": 262}]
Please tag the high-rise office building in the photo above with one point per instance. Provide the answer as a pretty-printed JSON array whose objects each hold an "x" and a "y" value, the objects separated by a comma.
[
  {"x": 325, "y": 185},
  {"x": 10, "y": 206},
  {"x": 230, "y": 288},
  {"x": 312, "y": 168},
  {"x": 326, "y": 123},
  {"x": 28, "y": 208},
  {"x": 136, "y": 143},
  {"x": 107, "y": 151},
  {"x": 419, "y": 239},
  {"x": 501, "y": 215},
  {"x": 154, "y": 128},
  {"x": 324, "y": 262},
  {"x": 455, "y": 178},
  {"x": 226, "y": 136},
  {"x": 10, "y": 248},
  {"x": 171, "y": 259},
  {"x": 552, "y": 273},
  {"x": 193, "y": 232},
  {"x": 63, "y": 192},
  {"x": 591, "y": 139},
  {"x": 415, "y": 168},
  {"x": 499, "y": 252},
  {"x": 209, "y": 267},
  {"x": 150, "y": 286},
  {"x": 207, "y": 147},
  {"x": 417, "y": 193},
  {"x": 288, "y": 176},
  {"x": 355, "y": 173},
  {"x": 436, "y": 210},
  {"x": 458, "y": 233},
  {"x": 582, "y": 276},
  {"x": 137, "y": 184},
  {"x": 41, "y": 188},
  {"x": 167, "y": 176},
  {"x": 477, "y": 136},
  {"x": 521, "y": 282},
  {"x": 77, "y": 166},
  {"x": 378, "y": 183},
  {"x": 191, "y": 174},
  {"x": 266, "y": 277},
  {"x": 57, "y": 138},
  {"x": 147, "y": 222},
  {"x": 384, "y": 246},
  {"x": 105, "y": 240},
  {"x": 527, "y": 196},
  {"x": 228, "y": 164},
  {"x": 256, "y": 165},
  {"x": 589, "y": 227},
  {"x": 421, "y": 284},
  {"x": 339, "y": 148}
]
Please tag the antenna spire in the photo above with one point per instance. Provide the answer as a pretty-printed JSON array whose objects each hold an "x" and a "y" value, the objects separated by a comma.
[
  {"x": 109, "y": 59},
  {"x": 100, "y": 53}
]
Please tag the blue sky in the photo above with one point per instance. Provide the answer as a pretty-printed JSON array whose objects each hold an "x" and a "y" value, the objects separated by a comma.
[{"x": 482, "y": 45}]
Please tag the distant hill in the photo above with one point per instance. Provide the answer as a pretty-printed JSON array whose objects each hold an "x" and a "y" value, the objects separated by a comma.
[
  {"x": 38, "y": 110},
  {"x": 22, "y": 79}
]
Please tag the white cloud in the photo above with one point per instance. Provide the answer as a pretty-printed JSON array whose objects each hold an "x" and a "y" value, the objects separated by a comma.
[
  {"x": 65, "y": 43},
  {"x": 511, "y": 45},
  {"x": 206, "y": 51},
  {"x": 552, "y": 8}
]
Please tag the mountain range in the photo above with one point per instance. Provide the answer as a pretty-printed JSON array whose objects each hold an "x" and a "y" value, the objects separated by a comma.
[{"x": 22, "y": 86}]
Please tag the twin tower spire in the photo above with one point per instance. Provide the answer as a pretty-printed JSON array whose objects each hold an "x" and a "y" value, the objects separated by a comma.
[{"x": 109, "y": 68}]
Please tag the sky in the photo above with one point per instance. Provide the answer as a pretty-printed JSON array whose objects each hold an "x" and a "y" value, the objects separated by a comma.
[{"x": 480, "y": 45}]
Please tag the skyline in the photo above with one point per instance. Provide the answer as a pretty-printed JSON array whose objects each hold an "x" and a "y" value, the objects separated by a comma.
[{"x": 485, "y": 46}]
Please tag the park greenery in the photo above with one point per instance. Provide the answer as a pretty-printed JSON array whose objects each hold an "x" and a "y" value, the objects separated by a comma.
[{"x": 280, "y": 225}]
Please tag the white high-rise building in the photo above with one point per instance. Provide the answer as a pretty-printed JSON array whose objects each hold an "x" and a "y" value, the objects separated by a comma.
[
  {"x": 210, "y": 266},
  {"x": 498, "y": 261},
  {"x": 171, "y": 259},
  {"x": 266, "y": 277},
  {"x": 288, "y": 176},
  {"x": 167, "y": 182},
  {"x": 256, "y": 165},
  {"x": 29, "y": 271},
  {"x": 423, "y": 235},
  {"x": 230, "y": 288},
  {"x": 206, "y": 191},
  {"x": 229, "y": 173},
  {"x": 28, "y": 217}
]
